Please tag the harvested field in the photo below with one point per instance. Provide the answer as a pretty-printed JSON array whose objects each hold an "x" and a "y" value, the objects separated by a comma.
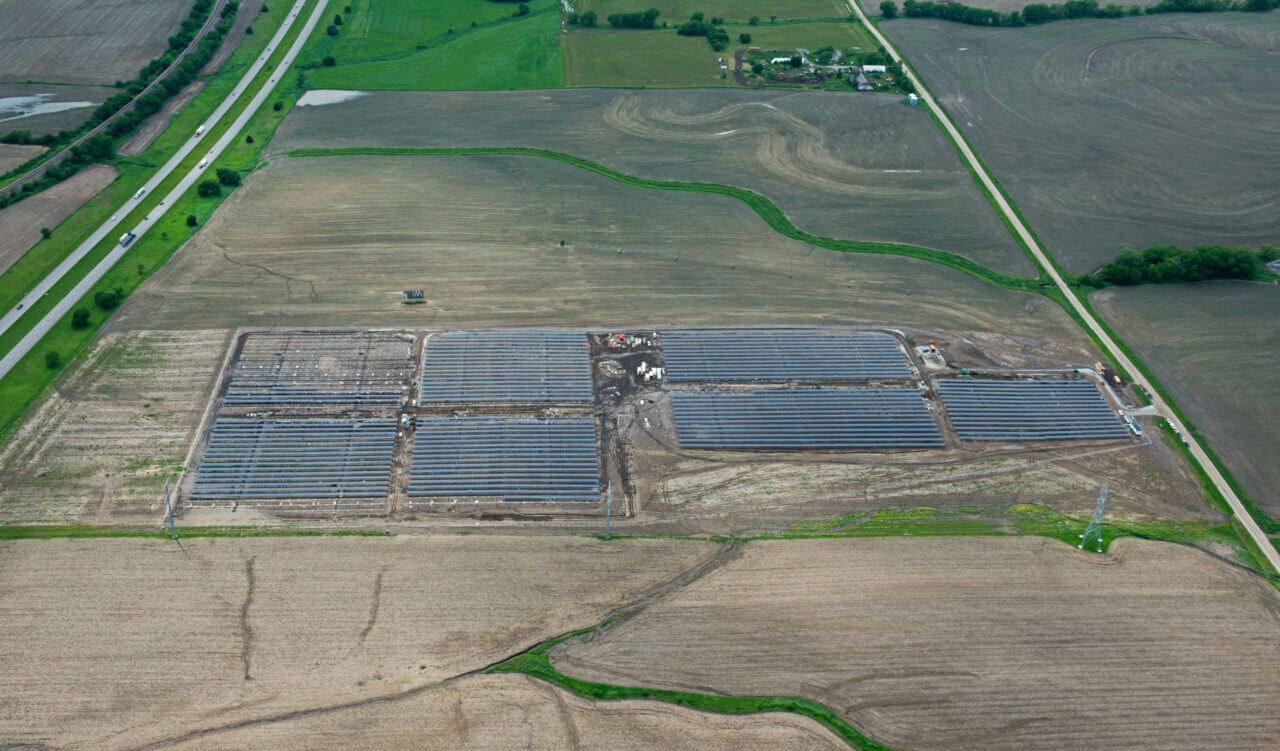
[
  {"x": 640, "y": 58},
  {"x": 983, "y": 643},
  {"x": 42, "y": 108},
  {"x": 248, "y": 13},
  {"x": 84, "y": 41},
  {"x": 1113, "y": 134},
  {"x": 848, "y": 166},
  {"x": 271, "y": 625},
  {"x": 12, "y": 155},
  {"x": 678, "y": 11},
  {"x": 1213, "y": 346},
  {"x": 518, "y": 712},
  {"x": 99, "y": 448},
  {"x": 872, "y": 7},
  {"x": 20, "y": 223},
  {"x": 334, "y": 240}
]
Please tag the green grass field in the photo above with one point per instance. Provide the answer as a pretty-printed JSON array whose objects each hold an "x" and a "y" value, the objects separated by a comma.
[
  {"x": 664, "y": 58},
  {"x": 641, "y": 58},
  {"x": 678, "y": 11},
  {"x": 442, "y": 44}
]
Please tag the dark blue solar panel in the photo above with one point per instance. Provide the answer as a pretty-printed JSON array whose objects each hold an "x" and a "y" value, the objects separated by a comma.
[
  {"x": 512, "y": 367},
  {"x": 513, "y": 460},
  {"x": 249, "y": 460},
  {"x": 782, "y": 355},
  {"x": 983, "y": 410},
  {"x": 786, "y": 420}
]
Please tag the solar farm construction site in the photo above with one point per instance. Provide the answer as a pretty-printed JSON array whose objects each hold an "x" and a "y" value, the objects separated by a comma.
[{"x": 508, "y": 424}]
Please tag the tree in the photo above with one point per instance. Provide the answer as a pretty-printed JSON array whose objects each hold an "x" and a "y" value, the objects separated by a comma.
[
  {"x": 248, "y": 139},
  {"x": 191, "y": 220},
  {"x": 80, "y": 318},
  {"x": 889, "y": 9},
  {"x": 208, "y": 189},
  {"x": 277, "y": 106},
  {"x": 796, "y": 61},
  {"x": 754, "y": 20},
  {"x": 744, "y": 38},
  {"x": 52, "y": 360},
  {"x": 332, "y": 30},
  {"x": 228, "y": 177},
  {"x": 328, "y": 61},
  {"x": 46, "y": 233},
  {"x": 758, "y": 68},
  {"x": 108, "y": 299},
  {"x": 337, "y": 20},
  {"x": 522, "y": 10},
  {"x": 773, "y": 19},
  {"x": 588, "y": 18},
  {"x": 248, "y": 30}
]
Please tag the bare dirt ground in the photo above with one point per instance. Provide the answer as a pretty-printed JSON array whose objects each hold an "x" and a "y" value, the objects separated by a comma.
[
  {"x": 1213, "y": 346},
  {"x": 872, "y": 7},
  {"x": 863, "y": 167},
  {"x": 125, "y": 642},
  {"x": 334, "y": 241},
  {"x": 99, "y": 448},
  {"x": 20, "y": 223},
  {"x": 245, "y": 16},
  {"x": 12, "y": 154},
  {"x": 1154, "y": 129},
  {"x": 155, "y": 125},
  {"x": 84, "y": 41},
  {"x": 973, "y": 643},
  {"x": 518, "y": 712}
]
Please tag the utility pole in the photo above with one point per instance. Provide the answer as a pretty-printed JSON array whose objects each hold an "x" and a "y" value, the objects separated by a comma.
[
  {"x": 1095, "y": 524},
  {"x": 608, "y": 509}
]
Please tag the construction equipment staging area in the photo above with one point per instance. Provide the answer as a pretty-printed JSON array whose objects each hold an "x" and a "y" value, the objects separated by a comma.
[{"x": 530, "y": 423}]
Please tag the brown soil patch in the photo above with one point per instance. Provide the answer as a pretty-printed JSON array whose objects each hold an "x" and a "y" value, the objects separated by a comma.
[
  {"x": 518, "y": 712},
  {"x": 118, "y": 423},
  {"x": 20, "y": 223},
  {"x": 973, "y": 643},
  {"x": 155, "y": 125},
  {"x": 245, "y": 17},
  {"x": 117, "y": 643},
  {"x": 13, "y": 154}
]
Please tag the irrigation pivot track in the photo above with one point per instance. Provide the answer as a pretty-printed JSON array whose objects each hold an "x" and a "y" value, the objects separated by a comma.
[
  {"x": 1042, "y": 260},
  {"x": 64, "y": 305}
]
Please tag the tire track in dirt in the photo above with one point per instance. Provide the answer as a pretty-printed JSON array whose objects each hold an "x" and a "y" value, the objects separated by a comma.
[
  {"x": 373, "y": 606},
  {"x": 246, "y": 631}
]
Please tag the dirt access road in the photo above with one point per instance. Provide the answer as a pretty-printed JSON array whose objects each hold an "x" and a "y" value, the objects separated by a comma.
[
  {"x": 64, "y": 306},
  {"x": 1042, "y": 259}
]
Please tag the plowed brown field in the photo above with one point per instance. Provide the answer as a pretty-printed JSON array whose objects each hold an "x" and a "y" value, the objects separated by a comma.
[{"x": 981, "y": 643}]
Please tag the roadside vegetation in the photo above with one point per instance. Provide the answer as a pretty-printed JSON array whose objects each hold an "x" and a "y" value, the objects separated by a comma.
[{"x": 1040, "y": 13}]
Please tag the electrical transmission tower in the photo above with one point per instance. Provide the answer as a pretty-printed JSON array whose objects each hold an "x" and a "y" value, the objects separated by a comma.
[{"x": 1094, "y": 530}]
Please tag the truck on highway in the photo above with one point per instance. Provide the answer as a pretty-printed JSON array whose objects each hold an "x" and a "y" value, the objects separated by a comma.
[
  {"x": 127, "y": 238},
  {"x": 200, "y": 131},
  {"x": 203, "y": 163},
  {"x": 141, "y": 192}
]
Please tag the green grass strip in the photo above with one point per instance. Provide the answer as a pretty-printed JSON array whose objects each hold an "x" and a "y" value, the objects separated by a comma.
[
  {"x": 769, "y": 211},
  {"x": 535, "y": 662}
]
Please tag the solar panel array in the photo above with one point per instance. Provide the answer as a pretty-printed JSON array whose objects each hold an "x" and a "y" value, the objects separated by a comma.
[
  {"x": 514, "y": 460},
  {"x": 265, "y": 461},
  {"x": 1027, "y": 410},
  {"x": 782, "y": 355},
  {"x": 786, "y": 420},
  {"x": 487, "y": 367},
  {"x": 310, "y": 368}
]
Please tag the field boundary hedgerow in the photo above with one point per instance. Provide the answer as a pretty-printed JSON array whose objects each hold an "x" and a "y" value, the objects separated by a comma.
[
  {"x": 769, "y": 211},
  {"x": 536, "y": 662}
]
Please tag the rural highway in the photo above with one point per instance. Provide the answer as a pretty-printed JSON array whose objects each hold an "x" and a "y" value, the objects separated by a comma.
[
  {"x": 1042, "y": 259},
  {"x": 108, "y": 227}
]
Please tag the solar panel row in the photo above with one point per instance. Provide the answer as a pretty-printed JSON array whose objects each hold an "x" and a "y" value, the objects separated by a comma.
[
  {"x": 487, "y": 367},
  {"x": 782, "y": 355},
  {"x": 514, "y": 460},
  {"x": 1027, "y": 410},
  {"x": 278, "y": 459},
  {"x": 786, "y": 420},
  {"x": 304, "y": 368}
]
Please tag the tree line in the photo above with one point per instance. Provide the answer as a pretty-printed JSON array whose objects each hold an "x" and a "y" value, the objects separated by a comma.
[
  {"x": 1038, "y": 13},
  {"x": 1164, "y": 264}
]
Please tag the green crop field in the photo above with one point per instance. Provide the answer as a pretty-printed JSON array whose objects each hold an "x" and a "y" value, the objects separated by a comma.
[
  {"x": 676, "y": 11},
  {"x": 1157, "y": 129},
  {"x": 847, "y": 166},
  {"x": 840, "y": 34},
  {"x": 641, "y": 58},
  {"x": 1213, "y": 346},
  {"x": 441, "y": 44}
]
